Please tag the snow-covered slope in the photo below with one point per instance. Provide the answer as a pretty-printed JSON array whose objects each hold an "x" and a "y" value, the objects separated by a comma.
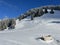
[{"x": 27, "y": 31}]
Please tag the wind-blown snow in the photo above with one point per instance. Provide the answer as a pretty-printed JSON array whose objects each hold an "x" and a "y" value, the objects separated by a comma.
[{"x": 27, "y": 31}]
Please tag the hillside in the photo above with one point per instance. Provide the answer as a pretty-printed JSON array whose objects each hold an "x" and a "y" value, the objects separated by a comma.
[
  {"x": 42, "y": 28},
  {"x": 27, "y": 31}
]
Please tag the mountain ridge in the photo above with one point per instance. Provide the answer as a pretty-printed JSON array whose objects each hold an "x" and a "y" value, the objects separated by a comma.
[{"x": 35, "y": 12}]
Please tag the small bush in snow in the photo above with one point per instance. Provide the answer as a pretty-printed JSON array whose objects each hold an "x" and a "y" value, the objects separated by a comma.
[{"x": 11, "y": 23}]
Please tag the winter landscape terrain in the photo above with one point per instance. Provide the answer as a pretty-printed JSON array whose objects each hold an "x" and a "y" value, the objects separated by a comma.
[{"x": 27, "y": 31}]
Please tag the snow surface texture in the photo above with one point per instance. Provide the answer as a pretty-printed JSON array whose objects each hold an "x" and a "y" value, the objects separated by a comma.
[{"x": 27, "y": 31}]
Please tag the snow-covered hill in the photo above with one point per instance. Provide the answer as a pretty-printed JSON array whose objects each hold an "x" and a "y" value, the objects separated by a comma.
[{"x": 27, "y": 31}]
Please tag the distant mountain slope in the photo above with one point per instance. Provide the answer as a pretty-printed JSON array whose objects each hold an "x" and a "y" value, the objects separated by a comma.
[{"x": 49, "y": 11}]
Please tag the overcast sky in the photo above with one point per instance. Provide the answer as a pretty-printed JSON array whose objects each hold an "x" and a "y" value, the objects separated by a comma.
[{"x": 13, "y": 8}]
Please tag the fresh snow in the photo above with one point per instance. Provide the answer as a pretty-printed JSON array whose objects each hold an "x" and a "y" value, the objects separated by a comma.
[{"x": 26, "y": 31}]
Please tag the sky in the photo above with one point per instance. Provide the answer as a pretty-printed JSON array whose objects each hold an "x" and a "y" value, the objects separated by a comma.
[{"x": 13, "y": 8}]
